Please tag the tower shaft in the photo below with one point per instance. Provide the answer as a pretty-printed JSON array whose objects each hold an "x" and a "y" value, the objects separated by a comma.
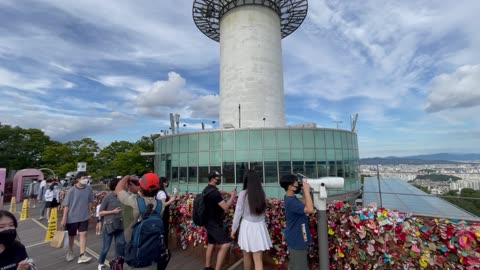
[{"x": 251, "y": 70}]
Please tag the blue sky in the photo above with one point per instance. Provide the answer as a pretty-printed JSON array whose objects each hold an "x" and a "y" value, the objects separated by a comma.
[{"x": 113, "y": 70}]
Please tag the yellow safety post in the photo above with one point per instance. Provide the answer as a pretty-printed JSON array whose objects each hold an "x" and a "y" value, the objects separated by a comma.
[
  {"x": 25, "y": 210},
  {"x": 52, "y": 225},
  {"x": 13, "y": 205}
]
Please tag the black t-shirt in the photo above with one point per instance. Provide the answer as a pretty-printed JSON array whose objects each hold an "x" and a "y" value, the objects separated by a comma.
[
  {"x": 214, "y": 211},
  {"x": 12, "y": 255}
]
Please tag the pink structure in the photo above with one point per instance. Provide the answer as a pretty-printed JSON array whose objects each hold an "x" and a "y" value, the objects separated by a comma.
[
  {"x": 3, "y": 173},
  {"x": 24, "y": 177}
]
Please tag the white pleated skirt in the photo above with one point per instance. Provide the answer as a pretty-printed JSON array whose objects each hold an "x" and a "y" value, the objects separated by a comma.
[{"x": 253, "y": 236}]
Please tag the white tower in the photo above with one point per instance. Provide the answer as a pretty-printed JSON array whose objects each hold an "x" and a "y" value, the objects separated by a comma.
[{"x": 251, "y": 70}]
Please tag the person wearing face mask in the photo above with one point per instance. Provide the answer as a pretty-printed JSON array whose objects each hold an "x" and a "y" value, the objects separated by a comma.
[
  {"x": 297, "y": 232},
  {"x": 76, "y": 214},
  {"x": 167, "y": 200},
  {"x": 215, "y": 207},
  {"x": 13, "y": 255},
  {"x": 51, "y": 198},
  {"x": 33, "y": 193}
]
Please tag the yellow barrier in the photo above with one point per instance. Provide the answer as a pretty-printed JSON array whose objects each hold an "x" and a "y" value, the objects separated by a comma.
[
  {"x": 13, "y": 205},
  {"x": 52, "y": 225},
  {"x": 25, "y": 210}
]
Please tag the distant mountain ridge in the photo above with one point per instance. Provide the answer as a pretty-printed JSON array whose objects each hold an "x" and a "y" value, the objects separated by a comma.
[{"x": 440, "y": 158}]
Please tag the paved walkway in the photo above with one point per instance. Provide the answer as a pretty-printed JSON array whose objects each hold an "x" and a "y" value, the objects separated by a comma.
[{"x": 32, "y": 234}]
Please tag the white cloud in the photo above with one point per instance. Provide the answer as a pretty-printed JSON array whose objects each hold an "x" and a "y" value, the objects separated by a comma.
[
  {"x": 19, "y": 81},
  {"x": 172, "y": 95},
  {"x": 460, "y": 89}
]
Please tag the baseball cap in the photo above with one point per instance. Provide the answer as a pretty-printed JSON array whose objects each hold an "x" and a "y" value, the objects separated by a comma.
[
  {"x": 214, "y": 174},
  {"x": 149, "y": 181}
]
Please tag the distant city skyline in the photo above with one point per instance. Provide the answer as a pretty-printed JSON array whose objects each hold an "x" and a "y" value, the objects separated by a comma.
[{"x": 113, "y": 70}]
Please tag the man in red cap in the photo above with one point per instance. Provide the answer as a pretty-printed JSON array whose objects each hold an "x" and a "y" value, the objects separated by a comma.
[{"x": 145, "y": 187}]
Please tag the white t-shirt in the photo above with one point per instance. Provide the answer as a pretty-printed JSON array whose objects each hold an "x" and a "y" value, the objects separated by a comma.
[
  {"x": 97, "y": 211},
  {"x": 161, "y": 195}
]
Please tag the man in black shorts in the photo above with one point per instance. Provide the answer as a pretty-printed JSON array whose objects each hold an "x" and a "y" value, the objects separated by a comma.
[
  {"x": 76, "y": 213},
  {"x": 215, "y": 207}
]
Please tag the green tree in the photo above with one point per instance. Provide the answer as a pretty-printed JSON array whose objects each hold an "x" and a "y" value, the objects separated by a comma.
[
  {"x": 108, "y": 154},
  {"x": 21, "y": 148}
]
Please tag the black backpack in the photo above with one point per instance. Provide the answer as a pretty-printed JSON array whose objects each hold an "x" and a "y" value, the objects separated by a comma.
[
  {"x": 199, "y": 216},
  {"x": 147, "y": 245}
]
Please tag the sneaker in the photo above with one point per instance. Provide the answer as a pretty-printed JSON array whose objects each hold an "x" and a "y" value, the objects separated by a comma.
[
  {"x": 70, "y": 256},
  {"x": 101, "y": 266},
  {"x": 84, "y": 259},
  {"x": 40, "y": 218}
]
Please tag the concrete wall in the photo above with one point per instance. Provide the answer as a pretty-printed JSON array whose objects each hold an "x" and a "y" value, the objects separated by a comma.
[{"x": 251, "y": 71}]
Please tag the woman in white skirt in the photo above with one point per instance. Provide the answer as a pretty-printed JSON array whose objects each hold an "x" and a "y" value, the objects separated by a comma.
[{"x": 253, "y": 237}]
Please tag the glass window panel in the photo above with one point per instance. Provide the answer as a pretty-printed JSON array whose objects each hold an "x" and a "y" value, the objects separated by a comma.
[
  {"x": 309, "y": 155},
  {"x": 193, "y": 143},
  {"x": 310, "y": 169},
  {"x": 182, "y": 175},
  {"x": 183, "y": 159},
  {"x": 176, "y": 143},
  {"x": 329, "y": 139},
  {"x": 338, "y": 139},
  {"x": 270, "y": 155},
  {"x": 297, "y": 154},
  {"x": 322, "y": 168},
  {"x": 215, "y": 158},
  {"x": 255, "y": 139},
  {"x": 203, "y": 174},
  {"x": 344, "y": 140},
  {"x": 298, "y": 167},
  {"x": 183, "y": 143},
  {"x": 296, "y": 139},
  {"x": 175, "y": 159},
  {"x": 283, "y": 138},
  {"x": 192, "y": 175},
  {"x": 332, "y": 170},
  {"x": 203, "y": 142},
  {"x": 345, "y": 154},
  {"x": 319, "y": 139},
  {"x": 160, "y": 145},
  {"x": 320, "y": 155},
  {"x": 269, "y": 139},
  {"x": 284, "y": 168},
  {"x": 228, "y": 156},
  {"x": 241, "y": 140},
  {"x": 350, "y": 141},
  {"x": 175, "y": 174},
  {"x": 330, "y": 154},
  {"x": 340, "y": 170},
  {"x": 284, "y": 155},
  {"x": 228, "y": 172},
  {"x": 308, "y": 141},
  {"x": 215, "y": 141},
  {"x": 257, "y": 166},
  {"x": 355, "y": 141},
  {"x": 168, "y": 166},
  {"x": 168, "y": 144},
  {"x": 241, "y": 169},
  {"x": 228, "y": 138},
  {"x": 271, "y": 172},
  {"x": 241, "y": 156},
  {"x": 255, "y": 155},
  {"x": 338, "y": 155},
  {"x": 203, "y": 159},
  {"x": 193, "y": 159}
]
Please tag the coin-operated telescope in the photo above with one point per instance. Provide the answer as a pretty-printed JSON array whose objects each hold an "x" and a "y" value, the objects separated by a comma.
[{"x": 319, "y": 188}]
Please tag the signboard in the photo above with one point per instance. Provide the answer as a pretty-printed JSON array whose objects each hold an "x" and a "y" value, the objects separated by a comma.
[{"x": 81, "y": 166}]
